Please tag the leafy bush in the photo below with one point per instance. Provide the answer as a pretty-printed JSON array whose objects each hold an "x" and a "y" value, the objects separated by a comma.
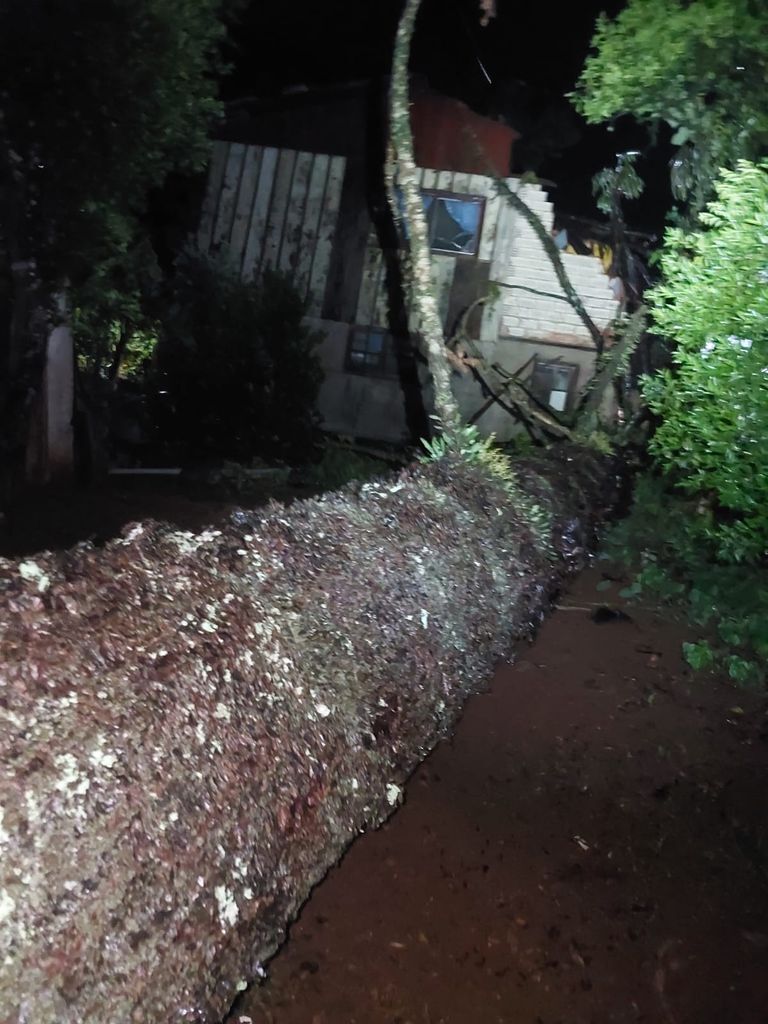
[
  {"x": 239, "y": 364},
  {"x": 665, "y": 541},
  {"x": 713, "y": 302},
  {"x": 112, "y": 321}
]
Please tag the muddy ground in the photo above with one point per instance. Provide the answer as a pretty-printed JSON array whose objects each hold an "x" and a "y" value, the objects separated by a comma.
[
  {"x": 591, "y": 847},
  {"x": 58, "y": 519}
]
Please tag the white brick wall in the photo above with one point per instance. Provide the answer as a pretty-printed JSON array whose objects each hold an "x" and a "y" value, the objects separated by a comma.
[{"x": 525, "y": 314}]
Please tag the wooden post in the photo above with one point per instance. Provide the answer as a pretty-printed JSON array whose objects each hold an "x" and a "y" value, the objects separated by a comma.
[{"x": 50, "y": 451}]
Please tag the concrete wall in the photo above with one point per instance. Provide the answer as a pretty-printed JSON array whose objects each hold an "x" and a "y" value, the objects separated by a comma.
[
  {"x": 50, "y": 448},
  {"x": 353, "y": 404},
  {"x": 531, "y": 317}
]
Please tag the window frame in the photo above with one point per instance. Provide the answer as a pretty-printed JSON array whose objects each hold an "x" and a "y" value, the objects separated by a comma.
[
  {"x": 439, "y": 193},
  {"x": 385, "y": 367},
  {"x": 557, "y": 364},
  {"x": 461, "y": 197}
]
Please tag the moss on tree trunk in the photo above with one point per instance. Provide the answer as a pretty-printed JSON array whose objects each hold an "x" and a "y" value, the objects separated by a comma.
[{"x": 418, "y": 270}]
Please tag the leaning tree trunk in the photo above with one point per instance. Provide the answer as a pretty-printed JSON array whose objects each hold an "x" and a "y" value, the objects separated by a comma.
[
  {"x": 417, "y": 271},
  {"x": 194, "y": 727}
]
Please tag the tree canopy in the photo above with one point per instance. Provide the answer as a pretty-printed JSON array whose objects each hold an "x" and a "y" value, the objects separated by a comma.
[
  {"x": 100, "y": 100},
  {"x": 697, "y": 66}
]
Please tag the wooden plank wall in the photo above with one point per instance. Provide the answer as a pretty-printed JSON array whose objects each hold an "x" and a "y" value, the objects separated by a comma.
[{"x": 277, "y": 208}]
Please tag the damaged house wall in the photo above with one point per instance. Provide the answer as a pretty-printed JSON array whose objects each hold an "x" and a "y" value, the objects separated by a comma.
[
  {"x": 194, "y": 726},
  {"x": 527, "y": 328}
]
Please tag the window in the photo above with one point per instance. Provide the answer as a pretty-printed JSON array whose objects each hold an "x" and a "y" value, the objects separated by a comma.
[
  {"x": 454, "y": 221},
  {"x": 371, "y": 351},
  {"x": 553, "y": 383}
]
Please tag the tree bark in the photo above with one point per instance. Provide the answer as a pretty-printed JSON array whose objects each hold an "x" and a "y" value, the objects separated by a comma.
[
  {"x": 194, "y": 727},
  {"x": 418, "y": 270},
  {"x": 24, "y": 334}
]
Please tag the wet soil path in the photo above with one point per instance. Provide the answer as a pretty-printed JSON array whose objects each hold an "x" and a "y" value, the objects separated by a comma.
[{"x": 591, "y": 847}]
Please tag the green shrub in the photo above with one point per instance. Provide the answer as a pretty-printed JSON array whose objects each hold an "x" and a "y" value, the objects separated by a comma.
[
  {"x": 665, "y": 541},
  {"x": 238, "y": 363},
  {"x": 698, "y": 66},
  {"x": 713, "y": 404}
]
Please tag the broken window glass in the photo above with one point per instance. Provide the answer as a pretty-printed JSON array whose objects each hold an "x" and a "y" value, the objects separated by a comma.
[{"x": 454, "y": 221}]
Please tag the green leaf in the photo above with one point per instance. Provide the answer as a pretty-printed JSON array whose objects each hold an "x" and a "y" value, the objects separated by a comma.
[
  {"x": 745, "y": 672},
  {"x": 699, "y": 655}
]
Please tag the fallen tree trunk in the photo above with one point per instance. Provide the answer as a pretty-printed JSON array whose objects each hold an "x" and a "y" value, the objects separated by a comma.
[{"x": 193, "y": 727}]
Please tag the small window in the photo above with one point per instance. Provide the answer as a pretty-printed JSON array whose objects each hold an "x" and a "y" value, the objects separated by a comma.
[
  {"x": 553, "y": 383},
  {"x": 454, "y": 221},
  {"x": 371, "y": 352}
]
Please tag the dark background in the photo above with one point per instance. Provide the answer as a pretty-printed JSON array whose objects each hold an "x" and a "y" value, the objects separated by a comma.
[{"x": 531, "y": 54}]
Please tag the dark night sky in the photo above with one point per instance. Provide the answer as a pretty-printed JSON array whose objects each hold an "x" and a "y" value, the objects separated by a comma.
[
  {"x": 322, "y": 42},
  {"x": 326, "y": 41}
]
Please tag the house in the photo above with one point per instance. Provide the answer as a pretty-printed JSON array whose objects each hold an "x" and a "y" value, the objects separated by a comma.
[{"x": 297, "y": 184}]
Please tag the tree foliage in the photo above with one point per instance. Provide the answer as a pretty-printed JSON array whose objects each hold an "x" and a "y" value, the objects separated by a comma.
[
  {"x": 700, "y": 67},
  {"x": 713, "y": 404},
  {"x": 100, "y": 100},
  {"x": 726, "y": 605},
  {"x": 240, "y": 366},
  {"x": 111, "y": 312},
  {"x": 612, "y": 185}
]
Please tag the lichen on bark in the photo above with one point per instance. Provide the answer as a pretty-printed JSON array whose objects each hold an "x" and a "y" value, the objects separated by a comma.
[
  {"x": 194, "y": 726},
  {"x": 418, "y": 269}
]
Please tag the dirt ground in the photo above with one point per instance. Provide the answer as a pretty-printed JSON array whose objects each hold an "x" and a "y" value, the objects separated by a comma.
[
  {"x": 591, "y": 847},
  {"x": 56, "y": 520}
]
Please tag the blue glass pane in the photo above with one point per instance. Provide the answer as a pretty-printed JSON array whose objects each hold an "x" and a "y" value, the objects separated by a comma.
[
  {"x": 466, "y": 214},
  {"x": 455, "y": 225}
]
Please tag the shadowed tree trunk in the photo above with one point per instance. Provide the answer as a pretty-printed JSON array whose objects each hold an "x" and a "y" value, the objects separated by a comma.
[{"x": 23, "y": 332}]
